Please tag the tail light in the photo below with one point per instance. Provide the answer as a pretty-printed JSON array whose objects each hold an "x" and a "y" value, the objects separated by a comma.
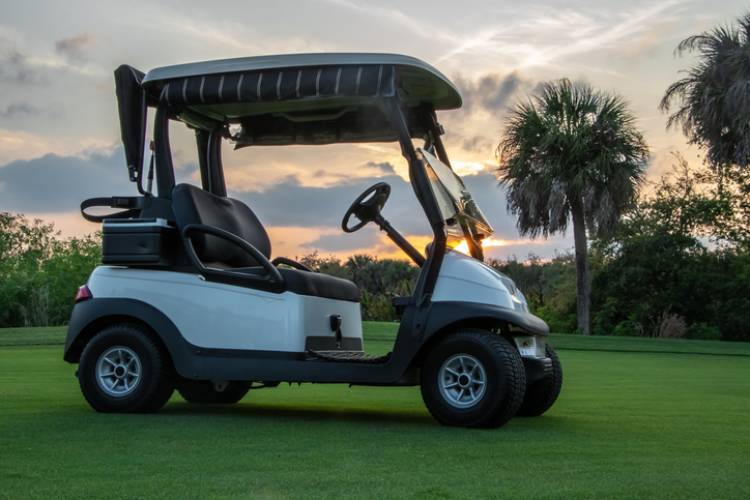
[{"x": 83, "y": 293}]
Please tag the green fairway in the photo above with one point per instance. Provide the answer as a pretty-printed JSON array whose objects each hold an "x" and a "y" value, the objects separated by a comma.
[{"x": 628, "y": 424}]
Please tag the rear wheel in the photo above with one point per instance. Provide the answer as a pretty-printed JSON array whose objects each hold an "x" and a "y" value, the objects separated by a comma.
[
  {"x": 207, "y": 392},
  {"x": 473, "y": 378},
  {"x": 122, "y": 369},
  {"x": 542, "y": 394}
]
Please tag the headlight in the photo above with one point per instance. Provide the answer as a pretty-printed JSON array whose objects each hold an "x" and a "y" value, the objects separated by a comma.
[
  {"x": 519, "y": 301},
  {"x": 516, "y": 297},
  {"x": 530, "y": 346}
]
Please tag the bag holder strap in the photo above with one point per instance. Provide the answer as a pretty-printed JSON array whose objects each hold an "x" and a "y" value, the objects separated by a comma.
[{"x": 132, "y": 206}]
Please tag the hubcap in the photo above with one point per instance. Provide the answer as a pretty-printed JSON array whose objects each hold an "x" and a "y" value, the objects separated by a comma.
[
  {"x": 118, "y": 371},
  {"x": 462, "y": 381}
]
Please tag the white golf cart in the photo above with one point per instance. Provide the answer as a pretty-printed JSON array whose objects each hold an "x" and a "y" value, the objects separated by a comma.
[{"x": 189, "y": 296}]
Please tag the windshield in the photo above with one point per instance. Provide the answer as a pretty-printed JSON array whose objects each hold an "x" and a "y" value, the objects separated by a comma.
[{"x": 460, "y": 212}]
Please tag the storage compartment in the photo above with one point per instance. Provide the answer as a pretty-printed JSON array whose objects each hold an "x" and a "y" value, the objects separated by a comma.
[{"x": 149, "y": 242}]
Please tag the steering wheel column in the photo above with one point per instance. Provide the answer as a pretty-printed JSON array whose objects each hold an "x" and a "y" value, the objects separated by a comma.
[
  {"x": 399, "y": 240},
  {"x": 367, "y": 207}
]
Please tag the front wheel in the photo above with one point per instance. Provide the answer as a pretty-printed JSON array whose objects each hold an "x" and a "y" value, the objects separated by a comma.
[
  {"x": 207, "y": 392},
  {"x": 473, "y": 378},
  {"x": 542, "y": 394}
]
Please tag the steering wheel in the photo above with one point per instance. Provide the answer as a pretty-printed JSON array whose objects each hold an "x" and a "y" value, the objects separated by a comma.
[{"x": 367, "y": 206}]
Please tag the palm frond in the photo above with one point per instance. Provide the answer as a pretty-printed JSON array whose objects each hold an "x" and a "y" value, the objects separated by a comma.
[
  {"x": 711, "y": 104},
  {"x": 570, "y": 144}
]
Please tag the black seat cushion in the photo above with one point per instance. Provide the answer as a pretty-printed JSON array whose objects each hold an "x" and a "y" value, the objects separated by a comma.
[
  {"x": 193, "y": 205},
  {"x": 319, "y": 285},
  {"x": 306, "y": 282}
]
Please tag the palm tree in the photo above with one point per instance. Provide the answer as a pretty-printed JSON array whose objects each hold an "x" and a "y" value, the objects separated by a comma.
[
  {"x": 712, "y": 102},
  {"x": 571, "y": 154}
]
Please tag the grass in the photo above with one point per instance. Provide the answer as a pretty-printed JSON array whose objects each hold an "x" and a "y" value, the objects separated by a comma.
[{"x": 628, "y": 424}]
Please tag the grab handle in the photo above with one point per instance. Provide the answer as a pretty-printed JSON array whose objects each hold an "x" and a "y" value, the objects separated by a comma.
[{"x": 131, "y": 204}]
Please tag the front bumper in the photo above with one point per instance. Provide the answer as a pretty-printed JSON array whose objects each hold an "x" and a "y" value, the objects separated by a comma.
[
  {"x": 537, "y": 368},
  {"x": 533, "y": 351}
]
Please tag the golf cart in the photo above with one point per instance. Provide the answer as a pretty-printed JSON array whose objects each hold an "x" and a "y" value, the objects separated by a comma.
[{"x": 190, "y": 298}]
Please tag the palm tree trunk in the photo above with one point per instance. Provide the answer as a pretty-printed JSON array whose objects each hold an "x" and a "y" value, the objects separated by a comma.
[{"x": 583, "y": 281}]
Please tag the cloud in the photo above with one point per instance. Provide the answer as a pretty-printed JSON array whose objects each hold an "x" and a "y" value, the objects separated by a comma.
[
  {"x": 415, "y": 25},
  {"x": 346, "y": 242},
  {"x": 290, "y": 203},
  {"x": 547, "y": 35},
  {"x": 57, "y": 184},
  {"x": 74, "y": 48},
  {"x": 383, "y": 167},
  {"x": 54, "y": 183},
  {"x": 491, "y": 92},
  {"x": 19, "y": 109},
  {"x": 477, "y": 144},
  {"x": 15, "y": 66}
]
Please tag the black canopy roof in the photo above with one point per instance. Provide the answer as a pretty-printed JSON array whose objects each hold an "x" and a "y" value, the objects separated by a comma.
[{"x": 300, "y": 98}]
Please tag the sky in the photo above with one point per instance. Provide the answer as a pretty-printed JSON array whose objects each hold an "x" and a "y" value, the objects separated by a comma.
[{"x": 59, "y": 130}]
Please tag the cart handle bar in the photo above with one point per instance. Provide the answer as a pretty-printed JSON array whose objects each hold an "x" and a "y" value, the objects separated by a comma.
[{"x": 274, "y": 276}]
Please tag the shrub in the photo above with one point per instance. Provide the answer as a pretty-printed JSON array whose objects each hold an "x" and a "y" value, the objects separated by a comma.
[
  {"x": 628, "y": 328},
  {"x": 39, "y": 272},
  {"x": 671, "y": 326},
  {"x": 703, "y": 331}
]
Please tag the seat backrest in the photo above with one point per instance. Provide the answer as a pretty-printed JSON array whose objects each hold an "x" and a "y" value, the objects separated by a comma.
[{"x": 192, "y": 205}]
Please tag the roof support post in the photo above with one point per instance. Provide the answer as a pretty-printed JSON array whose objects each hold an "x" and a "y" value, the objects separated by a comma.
[
  {"x": 163, "y": 154},
  {"x": 201, "y": 140},
  {"x": 420, "y": 183},
  {"x": 436, "y": 131},
  {"x": 215, "y": 166},
  {"x": 209, "y": 159}
]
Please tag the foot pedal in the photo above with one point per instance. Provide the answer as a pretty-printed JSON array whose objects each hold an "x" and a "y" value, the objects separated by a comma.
[{"x": 349, "y": 356}]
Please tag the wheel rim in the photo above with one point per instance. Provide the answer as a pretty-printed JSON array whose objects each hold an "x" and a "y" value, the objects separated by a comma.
[
  {"x": 118, "y": 371},
  {"x": 462, "y": 380}
]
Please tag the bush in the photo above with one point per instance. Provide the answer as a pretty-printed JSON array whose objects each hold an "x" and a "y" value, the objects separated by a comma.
[
  {"x": 628, "y": 328},
  {"x": 650, "y": 274},
  {"x": 39, "y": 273},
  {"x": 671, "y": 326},
  {"x": 703, "y": 331}
]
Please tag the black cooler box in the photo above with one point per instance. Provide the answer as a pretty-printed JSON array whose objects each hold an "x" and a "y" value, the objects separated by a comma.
[{"x": 143, "y": 242}]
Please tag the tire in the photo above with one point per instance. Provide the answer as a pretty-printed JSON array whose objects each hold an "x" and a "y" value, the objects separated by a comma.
[
  {"x": 542, "y": 394},
  {"x": 206, "y": 392},
  {"x": 126, "y": 349},
  {"x": 495, "y": 360}
]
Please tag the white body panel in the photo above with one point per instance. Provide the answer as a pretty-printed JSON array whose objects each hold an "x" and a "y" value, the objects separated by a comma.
[
  {"x": 217, "y": 315},
  {"x": 465, "y": 279},
  {"x": 222, "y": 316}
]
